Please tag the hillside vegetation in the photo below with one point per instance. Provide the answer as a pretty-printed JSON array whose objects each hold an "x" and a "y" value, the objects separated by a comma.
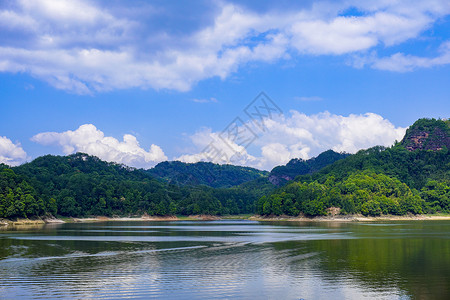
[
  {"x": 297, "y": 166},
  {"x": 82, "y": 185},
  {"x": 205, "y": 173}
]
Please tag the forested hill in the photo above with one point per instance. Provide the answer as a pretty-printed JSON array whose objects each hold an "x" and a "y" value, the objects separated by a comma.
[
  {"x": 82, "y": 185},
  {"x": 205, "y": 173},
  {"x": 396, "y": 180},
  {"x": 297, "y": 166}
]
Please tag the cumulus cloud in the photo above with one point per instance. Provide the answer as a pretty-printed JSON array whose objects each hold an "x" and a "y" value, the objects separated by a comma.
[
  {"x": 84, "y": 47},
  {"x": 88, "y": 139},
  {"x": 214, "y": 147},
  {"x": 297, "y": 136},
  {"x": 10, "y": 153}
]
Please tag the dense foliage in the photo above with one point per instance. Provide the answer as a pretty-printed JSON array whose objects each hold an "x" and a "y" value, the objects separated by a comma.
[
  {"x": 19, "y": 199},
  {"x": 363, "y": 192},
  {"x": 82, "y": 185},
  {"x": 428, "y": 125},
  {"x": 205, "y": 173},
  {"x": 414, "y": 168}
]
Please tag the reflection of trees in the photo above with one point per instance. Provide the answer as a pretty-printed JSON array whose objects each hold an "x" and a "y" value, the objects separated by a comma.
[
  {"x": 412, "y": 260},
  {"x": 419, "y": 267}
]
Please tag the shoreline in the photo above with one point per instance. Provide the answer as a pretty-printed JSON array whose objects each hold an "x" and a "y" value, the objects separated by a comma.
[
  {"x": 352, "y": 218},
  {"x": 32, "y": 222},
  {"x": 144, "y": 218},
  {"x": 338, "y": 218},
  {"x": 29, "y": 222}
]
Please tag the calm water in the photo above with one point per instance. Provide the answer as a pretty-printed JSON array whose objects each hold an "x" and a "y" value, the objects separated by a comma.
[{"x": 227, "y": 260}]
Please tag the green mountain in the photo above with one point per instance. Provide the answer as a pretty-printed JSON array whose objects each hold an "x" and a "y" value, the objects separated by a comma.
[
  {"x": 297, "y": 166},
  {"x": 205, "y": 173},
  {"x": 81, "y": 184},
  {"x": 410, "y": 177}
]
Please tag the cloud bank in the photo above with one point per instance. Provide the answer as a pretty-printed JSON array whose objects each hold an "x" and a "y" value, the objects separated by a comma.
[
  {"x": 94, "y": 46},
  {"x": 88, "y": 139},
  {"x": 298, "y": 136},
  {"x": 10, "y": 153}
]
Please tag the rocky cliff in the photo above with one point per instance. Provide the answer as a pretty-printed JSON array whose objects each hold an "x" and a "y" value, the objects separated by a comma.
[{"x": 427, "y": 134}]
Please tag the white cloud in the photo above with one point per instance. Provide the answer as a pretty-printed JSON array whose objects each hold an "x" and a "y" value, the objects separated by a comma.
[
  {"x": 400, "y": 62},
  {"x": 64, "y": 11},
  {"x": 388, "y": 23},
  {"x": 88, "y": 139},
  {"x": 10, "y": 153},
  {"x": 298, "y": 136},
  {"x": 83, "y": 47},
  {"x": 12, "y": 20},
  {"x": 218, "y": 149}
]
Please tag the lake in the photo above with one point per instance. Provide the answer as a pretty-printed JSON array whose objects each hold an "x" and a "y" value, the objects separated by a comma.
[{"x": 227, "y": 259}]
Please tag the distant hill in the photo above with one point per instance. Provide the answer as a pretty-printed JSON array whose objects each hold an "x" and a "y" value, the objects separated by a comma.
[
  {"x": 205, "y": 173},
  {"x": 49, "y": 167},
  {"x": 297, "y": 166}
]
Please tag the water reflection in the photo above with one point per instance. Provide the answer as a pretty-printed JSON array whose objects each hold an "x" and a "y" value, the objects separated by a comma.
[{"x": 223, "y": 259}]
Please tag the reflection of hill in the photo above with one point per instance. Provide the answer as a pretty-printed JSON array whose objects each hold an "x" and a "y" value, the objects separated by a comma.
[
  {"x": 395, "y": 258},
  {"x": 228, "y": 260}
]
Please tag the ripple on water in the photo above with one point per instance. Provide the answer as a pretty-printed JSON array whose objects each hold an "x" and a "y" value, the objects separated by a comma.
[{"x": 194, "y": 260}]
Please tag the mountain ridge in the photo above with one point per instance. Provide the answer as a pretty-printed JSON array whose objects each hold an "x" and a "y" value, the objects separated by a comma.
[
  {"x": 205, "y": 173},
  {"x": 297, "y": 166}
]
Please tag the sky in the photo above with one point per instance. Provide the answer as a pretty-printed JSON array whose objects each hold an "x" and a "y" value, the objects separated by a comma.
[{"x": 251, "y": 83}]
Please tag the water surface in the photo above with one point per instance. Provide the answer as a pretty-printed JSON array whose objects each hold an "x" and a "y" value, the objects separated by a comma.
[{"x": 227, "y": 259}]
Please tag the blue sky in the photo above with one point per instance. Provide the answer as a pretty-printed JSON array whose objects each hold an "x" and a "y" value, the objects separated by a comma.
[{"x": 139, "y": 82}]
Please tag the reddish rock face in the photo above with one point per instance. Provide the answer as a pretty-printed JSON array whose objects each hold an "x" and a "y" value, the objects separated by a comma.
[{"x": 422, "y": 140}]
